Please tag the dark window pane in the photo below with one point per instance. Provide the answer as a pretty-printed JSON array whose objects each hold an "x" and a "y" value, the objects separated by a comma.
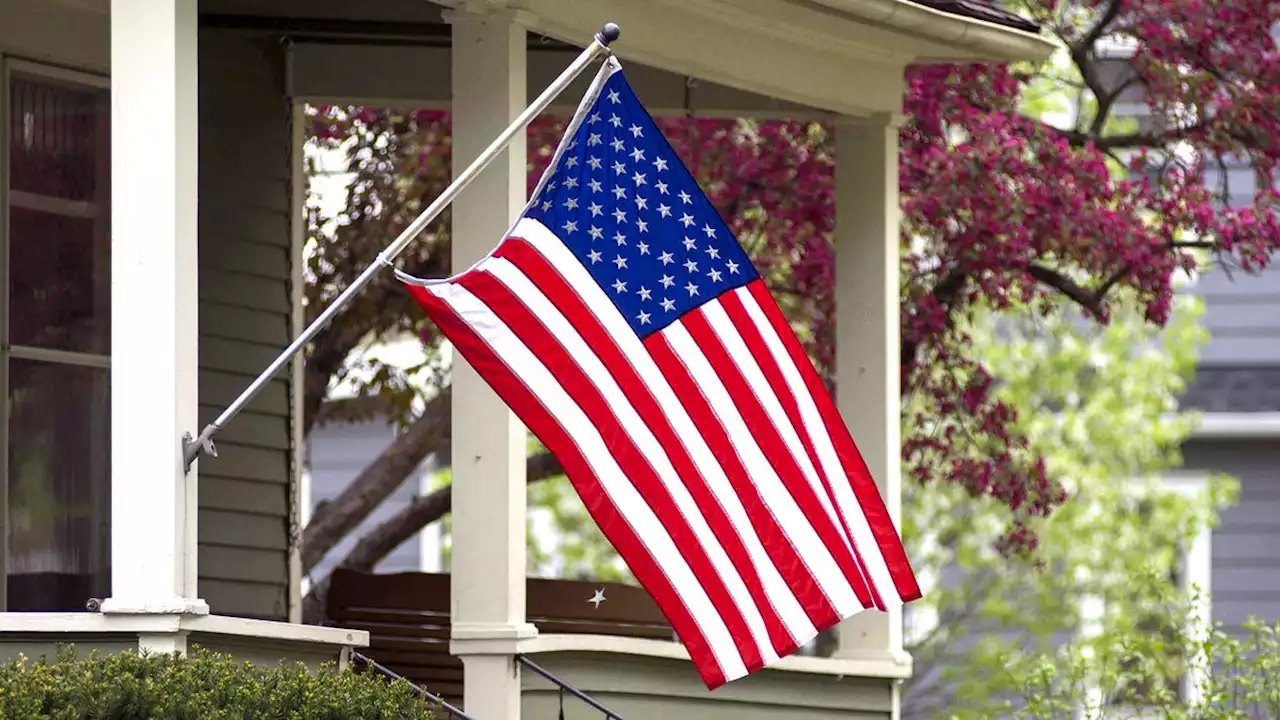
[
  {"x": 59, "y": 492},
  {"x": 59, "y": 216}
]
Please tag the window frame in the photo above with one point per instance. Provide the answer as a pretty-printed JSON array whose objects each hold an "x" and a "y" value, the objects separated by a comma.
[{"x": 9, "y": 65}]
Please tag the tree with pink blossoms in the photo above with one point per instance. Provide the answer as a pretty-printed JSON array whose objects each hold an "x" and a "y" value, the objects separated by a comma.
[{"x": 1006, "y": 205}]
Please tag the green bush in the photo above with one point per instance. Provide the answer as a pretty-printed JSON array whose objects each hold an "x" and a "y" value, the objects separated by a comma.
[{"x": 202, "y": 685}]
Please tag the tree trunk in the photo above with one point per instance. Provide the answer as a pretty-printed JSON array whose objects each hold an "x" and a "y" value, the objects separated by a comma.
[
  {"x": 377, "y": 481},
  {"x": 421, "y": 512}
]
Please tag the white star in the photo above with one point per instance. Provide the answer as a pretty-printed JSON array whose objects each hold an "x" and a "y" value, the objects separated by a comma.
[
  {"x": 619, "y": 168},
  {"x": 636, "y": 131},
  {"x": 615, "y": 121},
  {"x": 690, "y": 265},
  {"x": 710, "y": 231},
  {"x": 662, "y": 187},
  {"x": 595, "y": 118},
  {"x": 620, "y": 261},
  {"x": 594, "y": 162},
  {"x": 619, "y": 191},
  {"x": 571, "y": 203},
  {"x": 570, "y": 227},
  {"x": 619, "y": 286},
  {"x": 660, "y": 163},
  {"x": 618, "y": 145},
  {"x": 641, "y": 203},
  {"x": 595, "y": 185},
  {"x": 595, "y": 233},
  {"x": 643, "y": 247},
  {"x": 687, "y": 219},
  {"x": 667, "y": 281},
  {"x": 637, "y": 154},
  {"x": 644, "y": 293},
  {"x": 643, "y": 317},
  {"x": 620, "y": 215},
  {"x": 571, "y": 161},
  {"x": 664, "y": 210},
  {"x": 689, "y": 243},
  {"x": 546, "y": 205},
  {"x": 666, "y": 258},
  {"x": 668, "y": 305},
  {"x": 733, "y": 267},
  {"x": 613, "y": 98},
  {"x": 642, "y": 226},
  {"x": 594, "y": 139},
  {"x": 714, "y": 275},
  {"x": 551, "y": 185},
  {"x": 596, "y": 209},
  {"x": 595, "y": 256},
  {"x": 571, "y": 182},
  {"x": 638, "y": 178},
  {"x": 684, "y": 197},
  {"x": 620, "y": 238},
  {"x": 714, "y": 252},
  {"x": 693, "y": 289}
]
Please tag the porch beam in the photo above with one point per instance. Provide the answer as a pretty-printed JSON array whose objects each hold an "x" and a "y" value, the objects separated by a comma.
[
  {"x": 153, "y": 298},
  {"x": 489, "y": 443},
  {"x": 868, "y": 336}
]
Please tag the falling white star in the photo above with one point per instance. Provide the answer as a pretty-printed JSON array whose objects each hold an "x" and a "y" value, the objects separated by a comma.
[
  {"x": 620, "y": 215},
  {"x": 643, "y": 317},
  {"x": 664, "y": 210},
  {"x": 668, "y": 304},
  {"x": 596, "y": 209},
  {"x": 733, "y": 267},
  {"x": 620, "y": 261},
  {"x": 666, "y": 258},
  {"x": 662, "y": 187},
  {"x": 619, "y": 286},
  {"x": 595, "y": 233},
  {"x": 660, "y": 163},
  {"x": 714, "y": 275},
  {"x": 613, "y": 98},
  {"x": 594, "y": 162},
  {"x": 636, "y": 131},
  {"x": 595, "y": 186},
  {"x": 595, "y": 256},
  {"x": 710, "y": 231},
  {"x": 644, "y": 293},
  {"x": 690, "y": 266},
  {"x": 684, "y": 197},
  {"x": 594, "y": 139},
  {"x": 667, "y": 281},
  {"x": 693, "y": 289},
  {"x": 570, "y": 227},
  {"x": 643, "y": 247}
]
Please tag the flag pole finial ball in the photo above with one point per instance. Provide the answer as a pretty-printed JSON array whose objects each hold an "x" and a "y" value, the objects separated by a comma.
[{"x": 608, "y": 34}]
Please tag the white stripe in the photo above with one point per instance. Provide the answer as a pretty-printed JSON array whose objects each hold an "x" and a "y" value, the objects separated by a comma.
[
  {"x": 530, "y": 370},
  {"x": 779, "y": 593},
  {"x": 736, "y": 347},
  {"x": 813, "y": 552},
  {"x": 586, "y": 359},
  {"x": 872, "y": 557}
]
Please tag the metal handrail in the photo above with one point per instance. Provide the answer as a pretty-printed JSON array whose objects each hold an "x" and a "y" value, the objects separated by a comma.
[
  {"x": 431, "y": 697},
  {"x": 566, "y": 687}
]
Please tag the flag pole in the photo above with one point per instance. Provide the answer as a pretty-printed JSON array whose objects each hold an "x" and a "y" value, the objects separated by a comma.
[{"x": 192, "y": 448}]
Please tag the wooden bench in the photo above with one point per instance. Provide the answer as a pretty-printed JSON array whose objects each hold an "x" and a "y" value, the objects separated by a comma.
[{"x": 407, "y": 617}]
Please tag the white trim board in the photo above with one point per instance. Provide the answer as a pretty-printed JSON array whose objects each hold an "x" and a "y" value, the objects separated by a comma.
[{"x": 1238, "y": 426}]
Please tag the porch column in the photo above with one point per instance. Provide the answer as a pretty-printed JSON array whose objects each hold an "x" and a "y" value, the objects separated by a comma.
[
  {"x": 153, "y": 306},
  {"x": 489, "y": 444},
  {"x": 867, "y": 333}
]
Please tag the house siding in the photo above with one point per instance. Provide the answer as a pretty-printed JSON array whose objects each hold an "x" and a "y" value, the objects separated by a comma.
[{"x": 245, "y": 320}]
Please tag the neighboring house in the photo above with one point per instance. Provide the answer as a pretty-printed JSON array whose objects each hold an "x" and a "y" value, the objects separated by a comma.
[{"x": 152, "y": 242}]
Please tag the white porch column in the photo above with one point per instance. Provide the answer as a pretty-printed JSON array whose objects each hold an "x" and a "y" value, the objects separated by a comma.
[
  {"x": 153, "y": 306},
  {"x": 867, "y": 333},
  {"x": 488, "y": 564}
]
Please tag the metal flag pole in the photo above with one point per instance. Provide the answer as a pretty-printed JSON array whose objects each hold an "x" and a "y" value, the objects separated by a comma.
[{"x": 191, "y": 448}]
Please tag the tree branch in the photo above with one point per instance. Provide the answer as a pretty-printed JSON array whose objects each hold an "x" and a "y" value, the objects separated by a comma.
[{"x": 1091, "y": 301}]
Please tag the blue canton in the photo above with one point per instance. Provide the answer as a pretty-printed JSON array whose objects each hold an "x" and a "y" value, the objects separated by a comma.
[{"x": 622, "y": 201}]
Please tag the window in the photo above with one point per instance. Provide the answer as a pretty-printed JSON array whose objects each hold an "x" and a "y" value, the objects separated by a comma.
[{"x": 55, "y": 326}]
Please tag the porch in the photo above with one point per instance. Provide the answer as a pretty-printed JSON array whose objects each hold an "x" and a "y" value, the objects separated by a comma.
[{"x": 153, "y": 163}]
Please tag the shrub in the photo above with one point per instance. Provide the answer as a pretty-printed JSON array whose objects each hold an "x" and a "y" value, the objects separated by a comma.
[{"x": 201, "y": 685}]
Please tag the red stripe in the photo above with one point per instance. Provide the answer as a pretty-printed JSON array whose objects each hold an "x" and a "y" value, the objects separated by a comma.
[
  {"x": 770, "y": 441},
  {"x": 855, "y": 467},
  {"x": 567, "y": 301},
  {"x": 797, "y": 574},
  {"x": 636, "y": 468},
  {"x": 737, "y": 313},
  {"x": 535, "y": 416}
]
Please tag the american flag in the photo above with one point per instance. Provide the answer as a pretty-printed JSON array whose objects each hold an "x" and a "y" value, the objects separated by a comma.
[{"x": 628, "y": 330}]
